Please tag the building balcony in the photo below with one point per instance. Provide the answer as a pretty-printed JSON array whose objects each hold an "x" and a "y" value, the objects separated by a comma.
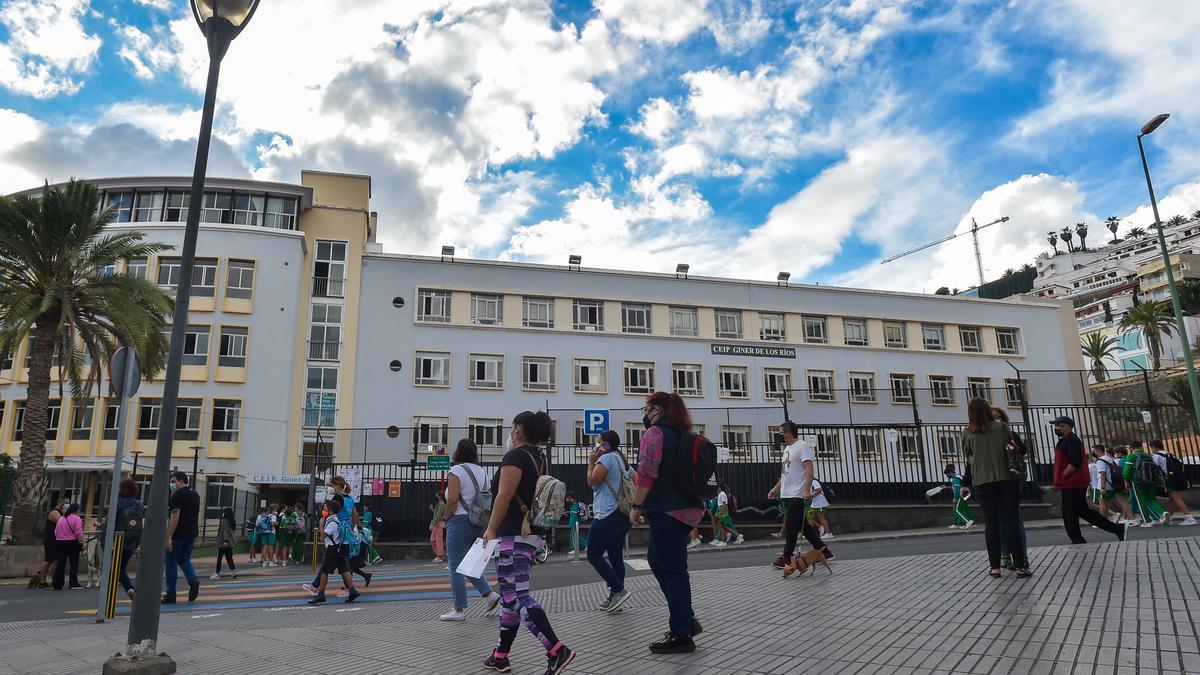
[
  {"x": 324, "y": 351},
  {"x": 324, "y": 287},
  {"x": 315, "y": 418}
]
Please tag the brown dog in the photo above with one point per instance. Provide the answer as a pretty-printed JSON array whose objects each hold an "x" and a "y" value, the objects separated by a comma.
[{"x": 806, "y": 561}]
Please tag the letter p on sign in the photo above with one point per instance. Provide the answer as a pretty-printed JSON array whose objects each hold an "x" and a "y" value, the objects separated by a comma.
[{"x": 595, "y": 421}]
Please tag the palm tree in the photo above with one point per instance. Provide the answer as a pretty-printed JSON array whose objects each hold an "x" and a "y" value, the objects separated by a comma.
[
  {"x": 1196, "y": 214},
  {"x": 1096, "y": 347},
  {"x": 1154, "y": 320},
  {"x": 1065, "y": 234},
  {"x": 1175, "y": 220},
  {"x": 58, "y": 292},
  {"x": 1112, "y": 224},
  {"x": 1081, "y": 230},
  {"x": 1189, "y": 295},
  {"x": 1052, "y": 237},
  {"x": 1136, "y": 232}
]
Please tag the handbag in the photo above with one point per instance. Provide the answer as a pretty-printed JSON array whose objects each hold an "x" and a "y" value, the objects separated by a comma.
[
  {"x": 624, "y": 495},
  {"x": 1016, "y": 457},
  {"x": 480, "y": 510}
]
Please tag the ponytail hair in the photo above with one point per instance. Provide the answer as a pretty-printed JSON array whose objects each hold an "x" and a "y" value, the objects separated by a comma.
[
  {"x": 675, "y": 412},
  {"x": 536, "y": 426}
]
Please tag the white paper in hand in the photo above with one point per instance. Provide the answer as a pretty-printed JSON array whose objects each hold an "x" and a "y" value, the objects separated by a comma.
[
  {"x": 477, "y": 558},
  {"x": 933, "y": 492}
]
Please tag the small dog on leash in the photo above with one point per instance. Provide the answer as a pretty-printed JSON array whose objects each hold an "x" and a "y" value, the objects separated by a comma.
[
  {"x": 93, "y": 564},
  {"x": 806, "y": 561}
]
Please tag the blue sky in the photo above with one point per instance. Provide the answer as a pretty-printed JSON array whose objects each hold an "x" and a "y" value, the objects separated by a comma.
[{"x": 744, "y": 137}]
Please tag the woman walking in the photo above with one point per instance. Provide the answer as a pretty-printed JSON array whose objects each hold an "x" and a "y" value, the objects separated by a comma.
[
  {"x": 462, "y": 489},
  {"x": 985, "y": 449},
  {"x": 226, "y": 540},
  {"x": 1006, "y": 558},
  {"x": 670, "y": 514},
  {"x": 514, "y": 486},
  {"x": 68, "y": 533},
  {"x": 607, "y": 467},
  {"x": 131, "y": 512},
  {"x": 49, "y": 545}
]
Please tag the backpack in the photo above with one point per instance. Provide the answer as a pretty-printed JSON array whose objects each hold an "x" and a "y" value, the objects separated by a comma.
[
  {"x": 1147, "y": 473},
  {"x": 263, "y": 524},
  {"x": 623, "y": 495},
  {"x": 696, "y": 470},
  {"x": 351, "y": 542},
  {"x": 129, "y": 520},
  {"x": 549, "y": 501},
  {"x": 289, "y": 525},
  {"x": 1176, "y": 478},
  {"x": 1116, "y": 478},
  {"x": 479, "y": 512}
]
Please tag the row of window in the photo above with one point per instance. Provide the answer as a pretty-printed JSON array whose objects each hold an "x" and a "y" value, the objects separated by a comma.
[
  {"x": 487, "y": 309},
  {"x": 224, "y": 419},
  {"x": 590, "y": 376},
  {"x": 171, "y": 206},
  {"x": 239, "y": 275},
  {"x": 233, "y": 343}
]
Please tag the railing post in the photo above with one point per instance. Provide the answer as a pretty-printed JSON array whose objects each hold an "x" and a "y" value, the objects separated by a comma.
[
  {"x": 920, "y": 437},
  {"x": 1155, "y": 418}
]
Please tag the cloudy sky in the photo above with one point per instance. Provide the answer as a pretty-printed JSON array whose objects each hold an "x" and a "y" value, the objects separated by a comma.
[{"x": 744, "y": 137}]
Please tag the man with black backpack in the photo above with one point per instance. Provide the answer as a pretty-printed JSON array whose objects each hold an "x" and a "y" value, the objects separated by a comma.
[
  {"x": 1175, "y": 480},
  {"x": 1071, "y": 479}
]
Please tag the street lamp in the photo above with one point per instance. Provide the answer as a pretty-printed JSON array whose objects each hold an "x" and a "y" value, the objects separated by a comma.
[
  {"x": 220, "y": 21},
  {"x": 1147, "y": 129}
]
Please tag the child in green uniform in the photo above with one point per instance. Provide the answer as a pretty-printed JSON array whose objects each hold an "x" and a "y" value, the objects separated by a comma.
[
  {"x": 963, "y": 518},
  {"x": 572, "y": 521},
  {"x": 1143, "y": 499}
]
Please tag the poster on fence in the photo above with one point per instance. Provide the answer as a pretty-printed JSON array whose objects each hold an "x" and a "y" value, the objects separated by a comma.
[
  {"x": 368, "y": 488},
  {"x": 722, "y": 453},
  {"x": 393, "y": 488},
  {"x": 377, "y": 487},
  {"x": 353, "y": 478}
]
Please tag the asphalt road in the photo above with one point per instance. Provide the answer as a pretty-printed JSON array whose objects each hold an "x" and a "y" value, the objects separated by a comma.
[{"x": 426, "y": 581}]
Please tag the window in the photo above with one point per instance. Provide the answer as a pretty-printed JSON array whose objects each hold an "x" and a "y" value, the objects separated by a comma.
[
  {"x": 149, "y": 415},
  {"x": 590, "y": 377},
  {"x": 867, "y": 445},
  {"x": 729, "y": 323},
  {"x": 700, "y": 429},
  {"x": 949, "y": 448},
  {"x": 736, "y": 437},
  {"x": 537, "y": 373},
  {"x": 633, "y": 437},
  {"x": 1006, "y": 341},
  {"x": 537, "y": 312},
  {"x": 320, "y": 407},
  {"x": 433, "y": 369},
  {"x": 53, "y": 413},
  {"x": 772, "y": 327},
  {"x": 322, "y": 378},
  {"x": 233, "y": 346},
  {"x": 684, "y": 321},
  {"x": 907, "y": 447},
  {"x": 122, "y": 203},
  {"x": 281, "y": 213},
  {"x": 731, "y": 382},
  {"x": 979, "y": 387},
  {"x": 862, "y": 387},
  {"x": 136, "y": 267},
  {"x": 589, "y": 315},
  {"x": 639, "y": 377},
  {"x": 431, "y": 432},
  {"x": 195, "y": 345},
  {"x": 168, "y": 274},
  {"x": 584, "y": 440},
  {"x": 6, "y": 363},
  {"x": 941, "y": 390},
  {"x": 240, "y": 280},
  {"x": 635, "y": 318},
  {"x": 329, "y": 269},
  {"x": 204, "y": 278},
  {"x": 971, "y": 338},
  {"x": 895, "y": 334},
  {"x": 816, "y": 329},
  {"x": 112, "y": 411},
  {"x": 777, "y": 382},
  {"x": 820, "y": 385},
  {"x": 215, "y": 207},
  {"x": 487, "y": 310},
  {"x": 686, "y": 379},
  {"x": 81, "y": 420},
  {"x": 433, "y": 306},
  {"x": 487, "y": 371},
  {"x": 856, "y": 332},
  {"x": 218, "y": 495},
  {"x": 247, "y": 209},
  {"x": 934, "y": 336},
  {"x": 177, "y": 207},
  {"x": 486, "y": 433},
  {"x": 148, "y": 207},
  {"x": 902, "y": 388},
  {"x": 829, "y": 445},
  {"x": 226, "y": 420},
  {"x": 1013, "y": 390}
]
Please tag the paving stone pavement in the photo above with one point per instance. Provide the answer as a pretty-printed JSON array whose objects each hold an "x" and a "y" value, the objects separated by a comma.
[{"x": 1097, "y": 608}]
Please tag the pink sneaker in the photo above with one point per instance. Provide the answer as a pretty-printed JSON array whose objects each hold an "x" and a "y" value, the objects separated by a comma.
[
  {"x": 312, "y": 590},
  {"x": 345, "y": 592}
]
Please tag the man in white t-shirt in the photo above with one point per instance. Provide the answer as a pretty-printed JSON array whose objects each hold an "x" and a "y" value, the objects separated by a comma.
[{"x": 795, "y": 489}]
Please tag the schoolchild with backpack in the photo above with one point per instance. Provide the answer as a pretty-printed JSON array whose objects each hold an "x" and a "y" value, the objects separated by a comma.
[
  {"x": 1174, "y": 480},
  {"x": 527, "y": 502},
  {"x": 335, "y": 553},
  {"x": 1145, "y": 480},
  {"x": 468, "y": 509},
  {"x": 131, "y": 514},
  {"x": 1110, "y": 485},
  {"x": 676, "y": 475},
  {"x": 611, "y": 480}
]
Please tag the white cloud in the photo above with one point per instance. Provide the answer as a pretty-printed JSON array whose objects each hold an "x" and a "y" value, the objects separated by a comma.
[
  {"x": 661, "y": 21},
  {"x": 47, "y": 48},
  {"x": 169, "y": 122},
  {"x": 720, "y": 94},
  {"x": 158, "y": 4},
  {"x": 16, "y": 128},
  {"x": 148, "y": 55},
  {"x": 737, "y": 26},
  {"x": 1182, "y": 200},
  {"x": 658, "y": 119}
]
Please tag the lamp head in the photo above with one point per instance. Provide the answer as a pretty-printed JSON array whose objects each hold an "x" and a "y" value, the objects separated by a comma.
[
  {"x": 1154, "y": 123},
  {"x": 575, "y": 260},
  {"x": 448, "y": 251},
  {"x": 682, "y": 268},
  {"x": 783, "y": 277},
  {"x": 235, "y": 13}
]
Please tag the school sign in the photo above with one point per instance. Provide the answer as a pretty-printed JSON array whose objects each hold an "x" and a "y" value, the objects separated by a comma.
[{"x": 719, "y": 349}]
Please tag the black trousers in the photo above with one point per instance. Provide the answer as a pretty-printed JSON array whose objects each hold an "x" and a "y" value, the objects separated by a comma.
[
  {"x": 1001, "y": 503},
  {"x": 796, "y": 524},
  {"x": 1074, "y": 507},
  {"x": 227, "y": 554},
  {"x": 68, "y": 551}
]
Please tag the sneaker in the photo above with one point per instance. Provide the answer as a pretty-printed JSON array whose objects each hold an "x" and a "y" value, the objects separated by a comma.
[
  {"x": 353, "y": 596},
  {"x": 776, "y": 535},
  {"x": 283, "y": 563},
  {"x": 76, "y": 587},
  {"x": 130, "y": 593},
  {"x": 606, "y": 602},
  {"x": 215, "y": 577},
  {"x": 953, "y": 527},
  {"x": 780, "y": 562},
  {"x": 343, "y": 593},
  {"x": 556, "y": 663},
  {"x": 316, "y": 600},
  {"x": 377, "y": 560},
  {"x": 617, "y": 599},
  {"x": 828, "y": 554},
  {"x": 695, "y": 542},
  {"x": 714, "y": 541},
  {"x": 453, "y": 615},
  {"x": 672, "y": 644},
  {"x": 493, "y": 601},
  {"x": 168, "y": 600},
  {"x": 969, "y": 525},
  {"x": 720, "y": 543},
  {"x": 193, "y": 590},
  {"x": 740, "y": 540},
  {"x": 498, "y": 665},
  {"x": 1152, "y": 524},
  {"x": 1189, "y": 520},
  {"x": 827, "y": 535},
  {"x": 312, "y": 590},
  {"x": 233, "y": 575}
]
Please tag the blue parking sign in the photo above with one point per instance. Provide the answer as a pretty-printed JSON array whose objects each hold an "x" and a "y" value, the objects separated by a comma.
[{"x": 595, "y": 421}]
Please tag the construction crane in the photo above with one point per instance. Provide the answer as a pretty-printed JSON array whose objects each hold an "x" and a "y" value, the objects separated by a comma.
[{"x": 975, "y": 228}]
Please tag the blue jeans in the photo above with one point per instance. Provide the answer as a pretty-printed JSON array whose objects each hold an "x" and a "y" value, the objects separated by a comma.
[
  {"x": 1020, "y": 526},
  {"x": 607, "y": 535},
  {"x": 667, "y": 555},
  {"x": 181, "y": 555},
  {"x": 127, "y": 549},
  {"x": 460, "y": 536}
]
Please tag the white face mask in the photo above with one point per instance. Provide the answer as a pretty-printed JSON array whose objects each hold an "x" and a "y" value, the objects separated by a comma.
[{"x": 508, "y": 442}]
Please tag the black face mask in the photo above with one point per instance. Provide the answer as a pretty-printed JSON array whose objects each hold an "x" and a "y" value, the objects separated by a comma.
[
  {"x": 1059, "y": 433},
  {"x": 646, "y": 421}
]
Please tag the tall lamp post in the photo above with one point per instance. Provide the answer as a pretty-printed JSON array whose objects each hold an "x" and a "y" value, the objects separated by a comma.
[
  {"x": 220, "y": 21},
  {"x": 1147, "y": 129}
]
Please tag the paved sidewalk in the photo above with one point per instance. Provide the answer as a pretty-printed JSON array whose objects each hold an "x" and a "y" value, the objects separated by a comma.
[{"x": 926, "y": 614}]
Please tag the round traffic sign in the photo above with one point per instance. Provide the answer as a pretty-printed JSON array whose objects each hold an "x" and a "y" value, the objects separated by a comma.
[{"x": 122, "y": 358}]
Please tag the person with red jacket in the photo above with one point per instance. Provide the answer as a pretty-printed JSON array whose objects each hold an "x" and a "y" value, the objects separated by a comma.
[{"x": 1071, "y": 479}]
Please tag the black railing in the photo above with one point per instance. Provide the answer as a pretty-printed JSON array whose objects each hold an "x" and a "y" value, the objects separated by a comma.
[{"x": 325, "y": 287}]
